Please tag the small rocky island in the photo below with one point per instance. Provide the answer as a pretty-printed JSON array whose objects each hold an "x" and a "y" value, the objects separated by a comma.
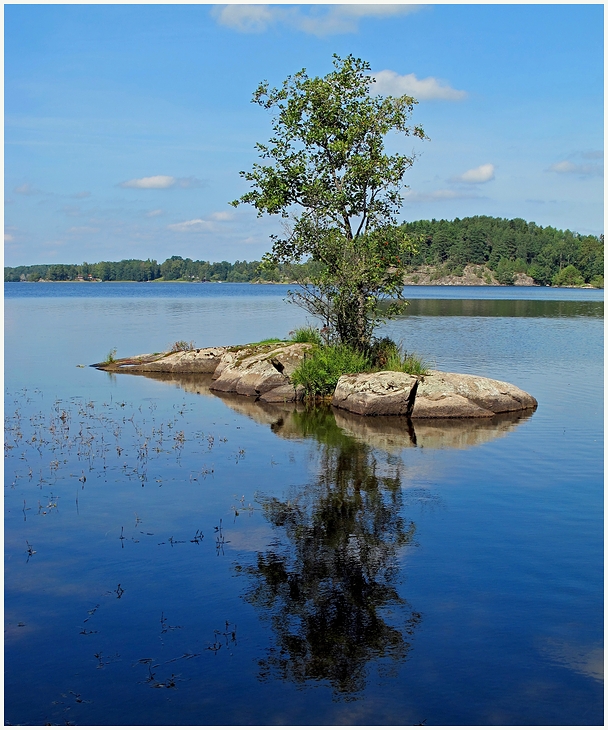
[{"x": 262, "y": 372}]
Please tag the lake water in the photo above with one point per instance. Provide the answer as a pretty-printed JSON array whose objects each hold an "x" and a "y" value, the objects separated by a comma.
[{"x": 178, "y": 558}]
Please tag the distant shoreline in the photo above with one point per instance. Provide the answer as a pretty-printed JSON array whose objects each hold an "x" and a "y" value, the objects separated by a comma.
[{"x": 437, "y": 284}]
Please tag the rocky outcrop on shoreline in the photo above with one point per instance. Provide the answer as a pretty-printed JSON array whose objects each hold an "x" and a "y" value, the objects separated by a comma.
[
  {"x": 471, "y": 275},
  {"x": 262, "y": 372}
]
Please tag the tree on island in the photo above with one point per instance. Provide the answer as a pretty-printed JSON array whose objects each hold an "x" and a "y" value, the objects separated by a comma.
[{"x": 325, "y": 170}]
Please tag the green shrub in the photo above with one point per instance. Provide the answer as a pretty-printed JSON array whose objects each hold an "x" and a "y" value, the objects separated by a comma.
[
  {"x": 519, "y": 266},
  {"x": 306, "y": 334},
  {"x": 597, "y": 282},
  {"x": 570, "y": 276},
  {"x": 386, "y": 354},
  {"x": 505, "y": 272},
  {"x": 320, "y": 371},
  {"x": 381, "y": 351}
]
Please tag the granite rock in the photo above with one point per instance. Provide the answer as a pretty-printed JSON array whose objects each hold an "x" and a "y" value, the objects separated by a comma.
[
  {"x": 256, "y": 370},
  {"x": 385, "y": 393},
  {"x": 454, "y": 395}
]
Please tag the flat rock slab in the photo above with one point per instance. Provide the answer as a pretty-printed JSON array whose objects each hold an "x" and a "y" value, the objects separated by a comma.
[
  {"x": 385, "y": 393},
  {"x": 202, "y": 360},
  {"x": 259, "y": 370},
  {"x": 453, "y": 395}
]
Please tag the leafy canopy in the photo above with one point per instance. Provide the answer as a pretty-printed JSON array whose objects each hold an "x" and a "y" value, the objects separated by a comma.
[{"x": 325, "y": 168}]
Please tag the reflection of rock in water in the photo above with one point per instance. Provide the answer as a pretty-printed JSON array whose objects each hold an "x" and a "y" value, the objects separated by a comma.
[
  {"x": 390, "y": 433},
  {"x": 328, "y": 580},
  {"x": 190, "y": 382}
]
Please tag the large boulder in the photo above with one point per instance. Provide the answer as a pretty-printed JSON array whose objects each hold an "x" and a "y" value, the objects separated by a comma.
[
  {"x": 453, "y": 395},
  {"x": 259, "y": 370},
  {"x": 385, "y": 393}
]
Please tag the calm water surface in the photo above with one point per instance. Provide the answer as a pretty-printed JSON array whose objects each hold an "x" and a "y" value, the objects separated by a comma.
[{"x": 177, "y": 558}]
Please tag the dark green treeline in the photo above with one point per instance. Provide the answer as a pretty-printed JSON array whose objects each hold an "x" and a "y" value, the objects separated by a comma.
[
  {"x": 507, "y": 247},
  {"x": 548, "y": 255}
]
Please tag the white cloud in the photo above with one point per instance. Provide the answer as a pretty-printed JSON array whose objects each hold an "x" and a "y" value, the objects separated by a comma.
[
  {"x": 245, "y": 18},
  {"x": 481, "y": 174},
  {"x": 83, "y": 194},
  {"x": 154, "y": 213},
  {"x": 156, "y": 182},
  {"x": 222, "y": 215},
  {"x": 390, "y": 82},
  {"x": 577, "y": 168},
  {"x": 200, "y": 225},
  {"x": 8, "y": 237},
  {"x": 26, "y": 189},
  {"x": 197, "y": 225},
  {"x": 161, "y": 182},
  {"x": 319, "y": 20}
]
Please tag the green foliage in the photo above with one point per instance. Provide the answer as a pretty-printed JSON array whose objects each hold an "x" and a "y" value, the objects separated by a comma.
[
  {"x": 306, "y": 334},
  {"x": 570, "y": 276},
  {"x": 385, "y": 354},
  {"x": 506, "y": 246},
  {"x": 320, "y": 371},
  {"x": 404, "y": 362},
  {"x": 380, "y": 351},
  {"x": 540, "y": 274},
  {"x": 110, "y": 357},
  {"x": 325, "y": 168},
  {"x": 597, "y": 282},
  {"x": 269, "y": 341},
  {"x": 505, "y": 272}
]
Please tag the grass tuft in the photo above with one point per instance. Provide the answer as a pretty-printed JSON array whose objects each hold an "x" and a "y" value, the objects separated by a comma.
[
  {"x": 407, "y": 363},
  {"x": 110, "y": 357},
  {"x": 306, "y": 334},
  {"x": 320, "y": 370}
]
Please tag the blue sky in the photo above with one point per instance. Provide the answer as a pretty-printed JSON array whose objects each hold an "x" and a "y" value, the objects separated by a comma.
[{"x": 126, "y": 126}]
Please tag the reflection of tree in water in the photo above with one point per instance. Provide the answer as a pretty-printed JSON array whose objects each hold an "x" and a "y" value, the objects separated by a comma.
[{"x": 330, "y": 584}]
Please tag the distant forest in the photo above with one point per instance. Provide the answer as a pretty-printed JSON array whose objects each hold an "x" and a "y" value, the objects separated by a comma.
[{"x": 507, "y": 247}]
